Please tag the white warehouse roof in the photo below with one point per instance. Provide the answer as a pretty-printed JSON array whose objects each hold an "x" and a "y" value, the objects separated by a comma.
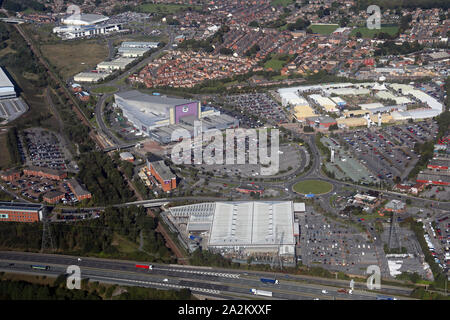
[
  {"x": 253, "y": 223},
  {"x": 292, "y": 98},
  {"x": 6, "y": 86}
]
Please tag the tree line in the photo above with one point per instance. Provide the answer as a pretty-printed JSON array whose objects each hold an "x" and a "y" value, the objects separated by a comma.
[
  {"x": 94, "y": 237},
  {"x": 12, "y": 140},
  {"x": 25, "y": 290},
  {"x": 101, "y": 176}
]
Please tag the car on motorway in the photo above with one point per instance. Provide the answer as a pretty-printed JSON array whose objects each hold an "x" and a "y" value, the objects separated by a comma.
[{"x": 324, "y": 291}]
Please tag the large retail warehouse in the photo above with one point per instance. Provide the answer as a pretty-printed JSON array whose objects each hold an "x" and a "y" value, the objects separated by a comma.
[
  {"x": 148, "y": 112},
  {"x": 242, "y": 229},
  {"x": 158, "y": 116}
]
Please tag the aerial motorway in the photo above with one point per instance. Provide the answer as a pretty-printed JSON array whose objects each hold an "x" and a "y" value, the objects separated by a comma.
[{"x": 206, "y": 281}]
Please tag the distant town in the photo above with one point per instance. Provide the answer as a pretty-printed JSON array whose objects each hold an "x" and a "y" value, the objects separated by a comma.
[{"x": 184, "y": 150}]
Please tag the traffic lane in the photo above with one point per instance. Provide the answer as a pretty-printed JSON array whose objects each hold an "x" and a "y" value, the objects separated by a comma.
[
  {"x": 130, "y": 267},
  {"x": 194, "y": 273},
  {"x": 132, "y": 279},
  {"x": 195, "y": 285},
  {"x": 298, "y": 288}
]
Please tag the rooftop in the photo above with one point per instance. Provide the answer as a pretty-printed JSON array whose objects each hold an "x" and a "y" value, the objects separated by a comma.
[
  {"x": 253, "y": 223},
  {"x": 20, "y": 206},
  {"x": 78, "y": 190},
  {"x": 4, "y": 80},
  {"x": 164, "y": 171}
]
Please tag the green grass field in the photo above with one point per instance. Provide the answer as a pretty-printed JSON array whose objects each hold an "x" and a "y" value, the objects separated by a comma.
[
  {"x": 313, "y": 186},
  {"x": 367, "y": 33},
  {"x": 275, "y": 64},
  {"x": 73, "y": 57},
  {"x": 124, "y": 245},
  {"x": 283, "y": 3},
  {"x": 323, "y": 29}
]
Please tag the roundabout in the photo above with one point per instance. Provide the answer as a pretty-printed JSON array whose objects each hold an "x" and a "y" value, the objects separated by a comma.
[{"x": 316, "y": 187}]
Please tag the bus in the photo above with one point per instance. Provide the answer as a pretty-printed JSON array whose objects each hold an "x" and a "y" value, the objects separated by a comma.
[
  {"x": 380, "y": 297},
  {"x": 37, "y": 267}
]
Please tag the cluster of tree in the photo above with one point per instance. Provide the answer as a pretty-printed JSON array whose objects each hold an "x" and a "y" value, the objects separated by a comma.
[
  {"x": 138, "y": 293},
  {"x": 23, "y": 290},
  {"x": 75, "y": 132},
  {"x": 11, "y": 142},
  {"x": 22, "y": 5},
  {"x": 99, "y": 174},
  {"x": 390, "y": 48},
  {"x": 226, "y": 51},
  {"x": 252, "y": 51},
  {"x": 333, "y": 127},
  {"x": 278, "y": 23},
  {"x": 407, "y": 276},
  {"x": 21, "y": 57},
  {"x": 120, "y": 8},
  {"x": 426, "y": 149},
  {"x": 254, "y": 24},
  {"x": 440, "y": 277},
  {"x": 322, "y": 148},
  {"x": 422, "y": 294},
  {"x": 316, "y": 272},
  {"x": 299, "y": 24},
  {"x": 4, "y": 35},
  {"x": 388, "y": 250},
  {"x": 352, "y": 210},
  {"x": 171, "y": 21},
  {"x": 206, "y": 45},
  {"x": 322, "y": 12},
  {"x": 404, "y": 22},
  {"x": 94, "y": 236},
  {"x": 5, "y": 196},
  {"x": 207, "y": 258}
]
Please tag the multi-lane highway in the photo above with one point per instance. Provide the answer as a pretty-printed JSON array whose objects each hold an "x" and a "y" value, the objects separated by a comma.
[{"x": 206, "y": 281}]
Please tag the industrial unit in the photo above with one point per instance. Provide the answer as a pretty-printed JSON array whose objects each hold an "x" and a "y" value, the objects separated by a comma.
[
  {"x": 89, "y": 77},
  {"x": 242, "y": 229},
  {"x": 113, "y": 65},
  {"x": 328, "y": 97},
  {"x": 6, "y": 86},
  {"x": 147, "y": 112},
  {"x": 159, "y": 116},
  {"x": 136, "y": 49}
]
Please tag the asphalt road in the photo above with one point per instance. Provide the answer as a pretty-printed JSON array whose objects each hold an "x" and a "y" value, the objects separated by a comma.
[{"x": 206, "y": 281}]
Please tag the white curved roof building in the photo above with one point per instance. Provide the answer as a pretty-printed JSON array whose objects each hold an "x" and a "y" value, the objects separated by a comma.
[
  {"x": 6, "y": 86},
  {"x": 84, "y": 19}
]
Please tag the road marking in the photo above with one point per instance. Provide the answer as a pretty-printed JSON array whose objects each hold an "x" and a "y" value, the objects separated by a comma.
[{"x": 168, "y": 285}]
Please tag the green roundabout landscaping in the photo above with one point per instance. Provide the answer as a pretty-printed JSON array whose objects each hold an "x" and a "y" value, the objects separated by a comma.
[{"x": 313, "y": 187}]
